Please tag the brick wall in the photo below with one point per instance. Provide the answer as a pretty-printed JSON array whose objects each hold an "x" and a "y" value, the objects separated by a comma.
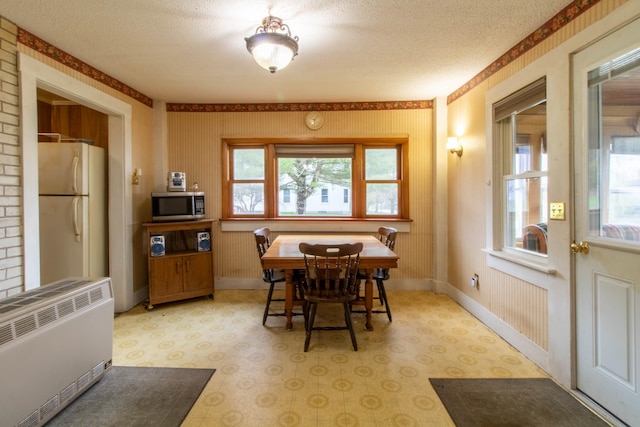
[{"x": 11, "y": 259}]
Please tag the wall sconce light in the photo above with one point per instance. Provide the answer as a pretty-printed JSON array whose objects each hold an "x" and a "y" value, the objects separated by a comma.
[
  {"x": 272, "y": 46},
  {"x": 454, "y": 146},
  {"x": 135, "y": 176}
]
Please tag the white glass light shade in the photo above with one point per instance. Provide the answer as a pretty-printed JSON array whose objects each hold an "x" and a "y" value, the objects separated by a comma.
[
  {"x": 272, "y": 51},
  {"x": 454, "y": 146}
]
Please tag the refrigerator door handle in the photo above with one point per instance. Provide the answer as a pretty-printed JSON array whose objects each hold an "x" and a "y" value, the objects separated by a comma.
[
  {"x": 76, "y": 226},
  {"x": 74, "y": 171}
]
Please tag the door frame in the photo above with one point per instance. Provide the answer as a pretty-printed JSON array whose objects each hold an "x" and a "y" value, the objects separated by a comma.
[{"x": 33, "y": 75}]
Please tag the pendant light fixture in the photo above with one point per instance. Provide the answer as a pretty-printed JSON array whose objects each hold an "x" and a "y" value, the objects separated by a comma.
[{"x": 272, "y": 46}]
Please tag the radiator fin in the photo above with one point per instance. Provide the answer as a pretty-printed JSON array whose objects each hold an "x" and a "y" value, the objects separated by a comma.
[
  {"x": 67, "y": 393},
  {"x": 6, "y": 334},
  {"x": 46, "y": 316},
  {"x": 82, "y": 301},
  {"x": 97, "y": 370},
  {"x": 49, "y": 407},
  {"x": 96, "y": 295},
  {"x": 84, "y": 380},
  {"x": 65, "y": 308},
  {"x": 25, "y": 325},
  {"x": 30, "y": 421}
]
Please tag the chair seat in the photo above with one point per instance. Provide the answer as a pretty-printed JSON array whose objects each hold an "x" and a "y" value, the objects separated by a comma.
[{"x": 276, "y": 276}]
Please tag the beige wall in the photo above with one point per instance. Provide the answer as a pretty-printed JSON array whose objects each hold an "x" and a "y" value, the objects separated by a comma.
[{"x": 194, "y": 146}]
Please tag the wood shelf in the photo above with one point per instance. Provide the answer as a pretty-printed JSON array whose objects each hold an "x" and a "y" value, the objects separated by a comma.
[{"x": 184, "y": 271}]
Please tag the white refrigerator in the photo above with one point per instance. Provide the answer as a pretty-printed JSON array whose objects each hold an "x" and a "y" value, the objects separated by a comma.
[{"x": 73, "y": 205}]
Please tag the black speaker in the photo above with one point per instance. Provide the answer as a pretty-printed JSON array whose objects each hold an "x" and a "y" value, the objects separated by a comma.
[
  {"x": 204, "y": 241},
  {"x": 157, "y": 245}
]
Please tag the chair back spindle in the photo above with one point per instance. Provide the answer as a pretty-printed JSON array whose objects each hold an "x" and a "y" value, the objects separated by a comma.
[{"x": 330, "y": 276}]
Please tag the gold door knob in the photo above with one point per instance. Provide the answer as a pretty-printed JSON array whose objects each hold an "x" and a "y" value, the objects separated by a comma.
[{"x": 582, "y": 247}]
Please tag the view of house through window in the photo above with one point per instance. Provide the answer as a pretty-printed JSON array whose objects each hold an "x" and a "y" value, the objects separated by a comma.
[
  {"x": 315, "y": 180},
  {"x": 520, "y": 129},
  {"x": 316, "y": 186}
]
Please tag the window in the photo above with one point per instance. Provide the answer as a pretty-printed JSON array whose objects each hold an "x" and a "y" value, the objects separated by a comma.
[
  {"x": 520, "y": 139},
  {"x": 325, "y": 195},
  {"x": 288, "y": 178},
  {"x": 381, "y": 181}
]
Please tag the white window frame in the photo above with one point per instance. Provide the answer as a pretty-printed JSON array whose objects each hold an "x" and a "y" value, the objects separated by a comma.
[{"x": 531, "y": 267}]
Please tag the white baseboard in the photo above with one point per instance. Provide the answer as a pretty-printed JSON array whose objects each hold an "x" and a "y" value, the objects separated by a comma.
[{"x": 534, "y": 352}]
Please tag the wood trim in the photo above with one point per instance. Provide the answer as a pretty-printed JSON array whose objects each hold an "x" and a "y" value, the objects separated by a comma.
[{"x": 357, "y": 189}]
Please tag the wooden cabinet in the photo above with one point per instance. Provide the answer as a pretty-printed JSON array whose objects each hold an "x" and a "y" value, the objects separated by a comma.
[{"x": 183, "y": 271}]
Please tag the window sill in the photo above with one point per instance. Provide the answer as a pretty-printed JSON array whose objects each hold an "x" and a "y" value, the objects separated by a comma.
[
  {"x": 529, "y": 270},
  {"x": 315, "y": 225}
]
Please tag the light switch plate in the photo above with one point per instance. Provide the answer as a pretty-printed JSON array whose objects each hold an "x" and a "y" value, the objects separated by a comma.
[{"x": 556, "y": 210}]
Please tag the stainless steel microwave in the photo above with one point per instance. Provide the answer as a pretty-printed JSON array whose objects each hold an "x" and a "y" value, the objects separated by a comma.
[{"x": 177, "y": 206}]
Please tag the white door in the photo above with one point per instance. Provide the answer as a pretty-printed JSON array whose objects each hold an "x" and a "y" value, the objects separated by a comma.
[
  {"x": 63, "y": 238},
  {"x": 607, "y": 221}
]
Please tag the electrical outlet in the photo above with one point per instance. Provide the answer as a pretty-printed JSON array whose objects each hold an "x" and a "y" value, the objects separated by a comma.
[{"x": 474, "y": 281}]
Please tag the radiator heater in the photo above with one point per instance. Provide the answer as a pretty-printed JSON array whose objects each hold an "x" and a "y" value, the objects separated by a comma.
[{"x": 55, "y": 342}]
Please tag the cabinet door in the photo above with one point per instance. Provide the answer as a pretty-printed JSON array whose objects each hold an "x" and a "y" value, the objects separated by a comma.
[
  {"x": 165, "y": 277},
  {"x": 198, "y": 272}
]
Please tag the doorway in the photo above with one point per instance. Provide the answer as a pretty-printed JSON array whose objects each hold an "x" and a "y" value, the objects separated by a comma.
[
  {"x": 607, "y": 221},
  {"x": 72, "y": 187},
  {"x": 36, "y": 75}
]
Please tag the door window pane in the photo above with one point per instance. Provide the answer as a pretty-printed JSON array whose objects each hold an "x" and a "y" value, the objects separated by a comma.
[
  {"x": 614, "y": 149},
  {"x": 624, "y": 182}
]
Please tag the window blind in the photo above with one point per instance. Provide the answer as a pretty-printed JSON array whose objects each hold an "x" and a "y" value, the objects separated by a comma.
[
  {"x": 521, "y": 100},
  {"x": 307, "y": 151},
  {"x": 614, "y": 68}
]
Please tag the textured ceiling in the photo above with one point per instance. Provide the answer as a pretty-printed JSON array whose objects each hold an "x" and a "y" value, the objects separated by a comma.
[{"x": 193, "y": 51}]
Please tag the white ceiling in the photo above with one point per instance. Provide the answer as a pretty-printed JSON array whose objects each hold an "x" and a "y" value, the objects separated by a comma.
[{"x": 193, "y": 51}]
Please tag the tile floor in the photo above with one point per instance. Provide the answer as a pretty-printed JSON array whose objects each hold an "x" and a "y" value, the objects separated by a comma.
[{"x": 263, "y": 377}]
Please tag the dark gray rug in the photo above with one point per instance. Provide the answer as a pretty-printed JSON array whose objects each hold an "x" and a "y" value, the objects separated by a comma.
[
  {"x": 512, "y": 402},
  {"x": 130, "y": 396}
]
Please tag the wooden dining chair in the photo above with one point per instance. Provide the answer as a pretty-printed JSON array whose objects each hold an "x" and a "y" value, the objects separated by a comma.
[
  {"x": 386, "y": 235},
  {"x": 330, "y": 278},
  {"x": 263, "y": 241}
]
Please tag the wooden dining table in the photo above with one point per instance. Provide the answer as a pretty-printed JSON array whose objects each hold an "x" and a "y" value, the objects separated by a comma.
[{"x": 284, "y": 254}]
